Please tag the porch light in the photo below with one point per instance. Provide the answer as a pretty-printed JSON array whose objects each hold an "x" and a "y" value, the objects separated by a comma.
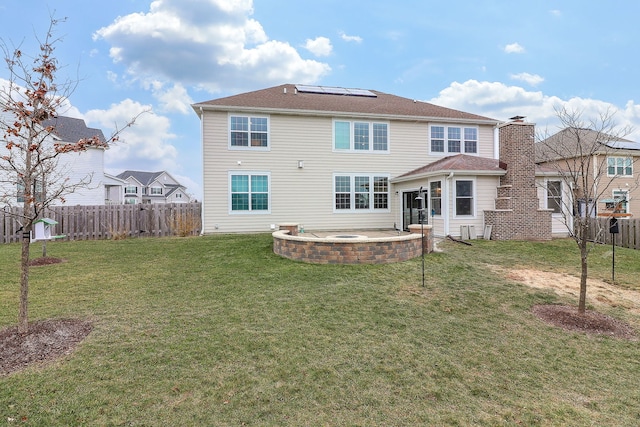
[{"x": 300, "y": 164}]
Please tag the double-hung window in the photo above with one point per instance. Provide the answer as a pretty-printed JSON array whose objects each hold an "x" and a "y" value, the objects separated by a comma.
[
  {"x": 621, "y": 198},
  {"x": 130, "y": 189},
  {"x": 360, "y": 192},
  {"x": 554, "y": 196},
  {"x": 619, "y": 166},
  {"x": 464, "y": 198},
  {"x": 37, "y": 192},
  {"x": 248, "y": 132},
  {"x": 357, "y": 136},
  {"x": 249, "y": 192},
  {"x": 156, "y": 191},
  {"x": 453, "y": 139}
]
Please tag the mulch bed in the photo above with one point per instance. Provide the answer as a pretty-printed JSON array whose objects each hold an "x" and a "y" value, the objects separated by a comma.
[
  {"x": 591, "y": 322},
  {"x": 46, "y": 341},
  {"x": 47, "y": 260}
]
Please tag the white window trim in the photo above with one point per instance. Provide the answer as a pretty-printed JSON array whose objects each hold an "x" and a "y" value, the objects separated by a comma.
[
  {"x": 446, "y": 151},
  {"x": 249, "y": 148},
  {"x": 616, "y": 166},
  {"x": 441, "y": 197},
  {"x": 627, "y": 195},
  {"x": 474, "y": 197},
  {"x": 229, "y": 193},
  {"x": 353, "y": 193},
  {"x": 562, "y": 196},
  {"x": 352, "y": 137},
  {"x": 151, "y": 193}
]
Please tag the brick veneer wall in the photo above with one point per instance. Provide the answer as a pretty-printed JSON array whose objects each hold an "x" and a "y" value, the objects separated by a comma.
[
  {"x": 381, "y": 250},
  {"x": 517, "y": 214}
]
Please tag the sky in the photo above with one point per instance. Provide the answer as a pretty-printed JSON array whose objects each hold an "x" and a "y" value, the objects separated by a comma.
[{"x": 493, "y": 58}]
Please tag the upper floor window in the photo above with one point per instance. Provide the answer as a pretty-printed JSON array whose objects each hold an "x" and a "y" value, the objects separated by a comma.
[
  {"x": 464, "y": 198},
  {"x": 356, "y": 192},
  {"x": 156, "y": 191},
  {"x": 249, "y": 192},
  {"x": 554, "y": 196},
  {"x": 130, "y": 189},
  {"x": 622, "y": 166},
  {"x": 248, "y": 132},
  {"x": 360, "y": 136},
  {"x": 453, "y": 139}
]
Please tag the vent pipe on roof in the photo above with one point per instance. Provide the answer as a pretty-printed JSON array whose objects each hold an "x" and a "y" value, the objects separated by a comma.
[
  {"x": 285, "y": 90},
  {"x": 295, "y": 91}
]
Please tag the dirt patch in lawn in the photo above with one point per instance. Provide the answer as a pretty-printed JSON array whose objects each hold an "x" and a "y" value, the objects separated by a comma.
[
  {"x": 45, "y": 342},
  {"x": 599, "y": 293}
]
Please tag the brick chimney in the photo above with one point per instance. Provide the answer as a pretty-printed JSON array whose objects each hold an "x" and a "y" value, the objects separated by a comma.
[{"x": 517, "y": 214}]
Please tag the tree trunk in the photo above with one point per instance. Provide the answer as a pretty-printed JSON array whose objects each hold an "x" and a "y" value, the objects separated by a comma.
[
  {"x": 23, "y": 317},
  {"x": 583, "y": 276}
]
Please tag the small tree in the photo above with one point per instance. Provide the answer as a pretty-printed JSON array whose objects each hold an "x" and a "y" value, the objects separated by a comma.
[
  {"x": 30, "y": 174},
  {"x": 579, "y": 153}
]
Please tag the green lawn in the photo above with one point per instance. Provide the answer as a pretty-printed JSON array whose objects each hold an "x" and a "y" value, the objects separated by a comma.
[{"x": 218, "y": 331}]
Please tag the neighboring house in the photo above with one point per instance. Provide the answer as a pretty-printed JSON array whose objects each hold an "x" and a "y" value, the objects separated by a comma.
[
  {"x": 336, "y": 159},
  {"x": 152, "y": 187},
  {"x": 619, "y": 183},
  {"x": 83, "y": 172},
  {"x": 86, "y": 165}
]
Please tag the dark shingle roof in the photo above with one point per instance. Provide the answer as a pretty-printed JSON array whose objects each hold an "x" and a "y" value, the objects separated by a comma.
[
  {"x": 575, "y": 142},
  {"x": 460, "y": 162},
  {"x": 145, "y": 178},
  {"x": 70, "y": 129},
  {"x": 287, "y": 98}
]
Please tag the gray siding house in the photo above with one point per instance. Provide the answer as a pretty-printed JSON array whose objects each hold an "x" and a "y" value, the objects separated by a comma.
[{"x": 331, "y": 158}]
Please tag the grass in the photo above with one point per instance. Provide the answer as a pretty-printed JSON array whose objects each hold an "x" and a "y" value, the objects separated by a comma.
[{"x": 219, "y": 331}]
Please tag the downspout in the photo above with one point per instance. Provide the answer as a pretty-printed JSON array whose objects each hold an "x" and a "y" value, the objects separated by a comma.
[
  {"x": 496, "y": 143},
  {"x": 202, "y": 203},
  {"x": 447, "y": 216}
]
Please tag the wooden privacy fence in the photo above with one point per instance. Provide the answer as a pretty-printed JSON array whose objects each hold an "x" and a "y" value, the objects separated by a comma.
[
  {"x": 627, "y": 237},
  {"x": 112, "y": 221}
]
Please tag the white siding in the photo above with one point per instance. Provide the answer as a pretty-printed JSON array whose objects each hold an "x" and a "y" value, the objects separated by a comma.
[
  {"x": 305, "y": 195},
  {"x": 87, "y": 167}
]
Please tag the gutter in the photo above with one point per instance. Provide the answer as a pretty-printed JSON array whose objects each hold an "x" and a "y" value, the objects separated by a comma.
[{"x": 346, "y": 114}]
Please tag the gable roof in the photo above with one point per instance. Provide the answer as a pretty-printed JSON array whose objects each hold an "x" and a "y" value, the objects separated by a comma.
[
  {"x": 474, "y": 165},
  {"x": 573, "y": 142},
  {"x": 144, "y": 178},
  {"x": 287, "y": 98},
  {"x": 70, "y": 129}
]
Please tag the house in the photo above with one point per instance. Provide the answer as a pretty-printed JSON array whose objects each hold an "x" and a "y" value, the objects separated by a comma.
[
  {"x": 332, "y": 158},
  {"x": 609, "y": 173},
  {"x": 152, "y": 187},
  {"x": 78, "y": 177}
]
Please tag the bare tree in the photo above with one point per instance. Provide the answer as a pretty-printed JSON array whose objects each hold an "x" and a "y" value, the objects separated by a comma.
[
  {"x": 581, "y": 154},
  {"x": 29, "y": 170}
]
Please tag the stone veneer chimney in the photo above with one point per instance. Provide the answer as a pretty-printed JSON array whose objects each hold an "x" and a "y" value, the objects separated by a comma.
[{"x": 517, "y": 214}]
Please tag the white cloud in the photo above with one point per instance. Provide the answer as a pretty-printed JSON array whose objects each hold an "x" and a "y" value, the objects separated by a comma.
[
  {"x": 514, "y": 48},
  {"x": 174, "y": 99},
  {"x": 532, "y": 79},
  {"x": 556, "y": 13},
  {"x": 143, "y": 146},
  {"x": 500, "y": 101},
  {"x": 356, "y": 39},
  {"x": 211, "y": 44},
  {"x": 320, "y": 46}
]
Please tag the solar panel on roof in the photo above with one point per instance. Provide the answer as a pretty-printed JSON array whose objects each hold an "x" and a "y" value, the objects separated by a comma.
[
  {"x": 625, "y": 145},
  {"x": 330, "y": 90}
]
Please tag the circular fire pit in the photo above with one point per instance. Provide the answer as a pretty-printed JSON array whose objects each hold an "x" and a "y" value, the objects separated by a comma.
[{"x": 350, "y": 248}]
